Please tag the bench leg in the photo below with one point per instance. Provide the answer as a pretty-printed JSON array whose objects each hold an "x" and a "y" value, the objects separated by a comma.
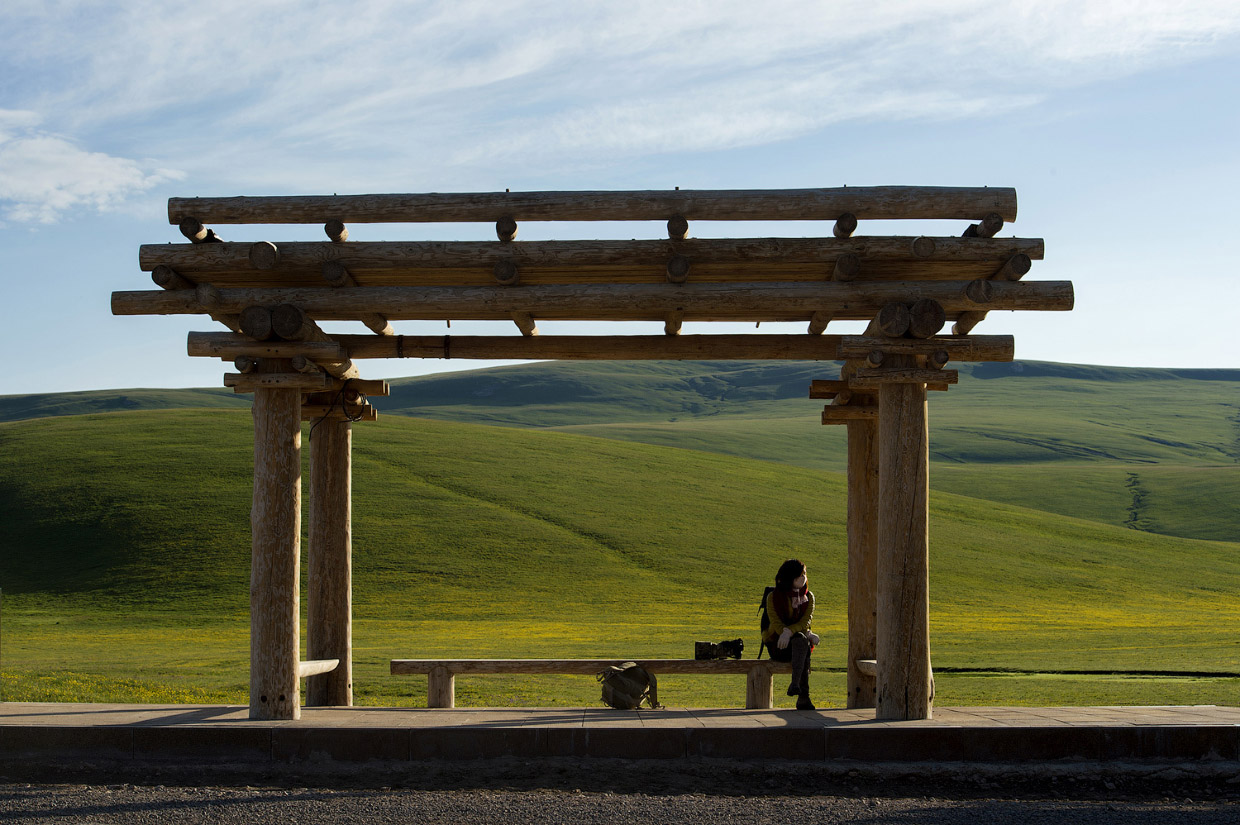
[
  {"x": 441, "y": 689},
  {"x": 759, "y": 687}
]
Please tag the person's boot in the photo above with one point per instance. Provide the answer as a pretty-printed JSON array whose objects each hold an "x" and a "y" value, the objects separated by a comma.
[
  {"x": 800, "y": 665},
  {"x": 803, "y": 701}
]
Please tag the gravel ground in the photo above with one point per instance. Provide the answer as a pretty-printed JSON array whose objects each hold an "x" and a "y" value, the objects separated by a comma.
[
  {"x": 160, "y": 804},
  {"x": 552, "y": 791}
]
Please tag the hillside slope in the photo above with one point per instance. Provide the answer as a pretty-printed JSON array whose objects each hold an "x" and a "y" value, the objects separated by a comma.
[{"x": 462, "y": 531}]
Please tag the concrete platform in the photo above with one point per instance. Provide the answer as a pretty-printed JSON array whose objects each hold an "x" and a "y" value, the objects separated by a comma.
[{"x": 214, "y": 734}]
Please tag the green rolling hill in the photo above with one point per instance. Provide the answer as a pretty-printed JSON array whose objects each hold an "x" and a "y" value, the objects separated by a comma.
[
  {"x": 1156, "y": 450},
  {"x": 126, "y": 550}
]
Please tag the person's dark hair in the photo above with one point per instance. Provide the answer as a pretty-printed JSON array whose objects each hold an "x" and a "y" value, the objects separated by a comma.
[{"x": 789, "y": 572}]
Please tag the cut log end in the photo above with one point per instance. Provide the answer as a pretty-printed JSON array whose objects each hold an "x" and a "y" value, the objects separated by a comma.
[
  {"x": 506, "y": 273},
  {"x": 988, "y": 227},
  {"x": 264, "y": 255},
  {"x": 678, "y": 269},
  {"x": 926, "y": 318},
  {"x": 245, "y": 364},
  {"x": 255, "y": 322},
  {"x": 677, "y": 227},
  {"x": 875, "y": 358},
  {"x": 938, "y": 359},
  {"x": 193, "y": 229},
  {"x": 166, "y": 277},
  {"x": 847, "y": 267},
  {"x": 979, "y": 291},
  {"x": 290, "y": 322},
  {"x": 892, "y": 320},
  {"x": 845, "y": 225},
  {"x": 1014, "y": 268},
  {"x": 923, "y": 247},
  {"x": 336, "y": 274},
  {"x": 336, "y": 230},
  {"x": 506, "y": 228}
]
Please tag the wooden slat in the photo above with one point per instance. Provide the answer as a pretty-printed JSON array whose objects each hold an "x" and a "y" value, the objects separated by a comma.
[
  {"x": 759, "y": 302},
  {"x": 842, "y": 413},
  {"x": 313, "y": 667},
  {"x": 906, "y": 375},
  {"x": 958, "y": 347},
  {"x": 864, "y": 202},
  {"x": 225, "y": 345},
  {"x": 406, "y": 667},
  {"x": 309, "y": 256}
]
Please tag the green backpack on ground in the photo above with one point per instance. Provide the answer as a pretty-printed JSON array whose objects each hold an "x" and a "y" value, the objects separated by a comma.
[{"x": 626, "y": 685}]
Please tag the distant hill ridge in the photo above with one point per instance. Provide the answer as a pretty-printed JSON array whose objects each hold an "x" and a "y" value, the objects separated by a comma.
[{"x": 595, "y": 381}]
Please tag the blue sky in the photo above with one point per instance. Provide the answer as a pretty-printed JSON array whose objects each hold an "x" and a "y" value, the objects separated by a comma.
[{"x": 1116, "y": 122}]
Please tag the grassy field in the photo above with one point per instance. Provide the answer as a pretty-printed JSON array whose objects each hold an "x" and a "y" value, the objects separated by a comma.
[{"x": 126, "y": 551}]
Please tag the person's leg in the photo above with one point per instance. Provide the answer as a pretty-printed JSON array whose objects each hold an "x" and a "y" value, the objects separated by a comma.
[{"x": 801, "y": 648}]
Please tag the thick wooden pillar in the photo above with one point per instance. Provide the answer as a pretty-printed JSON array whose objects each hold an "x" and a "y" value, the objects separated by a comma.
[
  {"x": 329, "y": 631},
  {"x": 863, "y": 496},
  {"x": 903, "y": 689},
  {"x": 275, "y": 521}
]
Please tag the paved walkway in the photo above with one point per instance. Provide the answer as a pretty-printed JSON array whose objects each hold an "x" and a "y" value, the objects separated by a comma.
[{"x": 213, "y": 732}]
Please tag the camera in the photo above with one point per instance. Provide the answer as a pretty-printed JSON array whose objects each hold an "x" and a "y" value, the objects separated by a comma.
[{"x": 718, "y": 650}]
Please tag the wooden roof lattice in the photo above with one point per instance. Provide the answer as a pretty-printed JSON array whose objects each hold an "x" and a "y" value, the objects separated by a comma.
[{"x": 841, "y": 274}]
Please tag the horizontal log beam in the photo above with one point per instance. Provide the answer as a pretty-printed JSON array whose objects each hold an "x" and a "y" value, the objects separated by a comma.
[
  {"x": 311, "y": 256},
  {"x": 866, "y": 378},
  {"x": 225, "y": 345},
  {"x": 321, "y": 382},
  {"x": 958, "y": 347},
  {"x": 824, "y": 388},
  {"x": 314, "y": 412},
  {"x": 864, "y": 202},
  {"x": 840, "y": 414},
  {"x": 598, "y": 347},
  {"x": 777, "y": 301}
]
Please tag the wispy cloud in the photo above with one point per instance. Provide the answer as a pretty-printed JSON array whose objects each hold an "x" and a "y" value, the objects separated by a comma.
[
  {"x": 297, "y": 95},
  {"x": 43, "y": 175}
]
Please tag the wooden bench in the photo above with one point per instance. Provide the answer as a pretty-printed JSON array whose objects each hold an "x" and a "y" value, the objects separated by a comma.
[{"x": 441, "y": 673}]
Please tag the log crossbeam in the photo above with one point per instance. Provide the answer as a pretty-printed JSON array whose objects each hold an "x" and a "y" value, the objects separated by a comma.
[{"x": 822, "y": 204}]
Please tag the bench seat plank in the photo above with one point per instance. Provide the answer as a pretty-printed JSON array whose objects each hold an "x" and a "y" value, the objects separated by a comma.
[{"x": 586, "y": 667}]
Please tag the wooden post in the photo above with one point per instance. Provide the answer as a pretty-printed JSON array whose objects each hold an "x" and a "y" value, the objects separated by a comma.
[
  {"x": 863, "y": 497},
  {"x": 275, "y": 521},
  {"x": 441, "y": 688},
  {"x": 759, "y": 687},
  {"x": 330, "y": 562},
  {"x": 903, "y": 688}
]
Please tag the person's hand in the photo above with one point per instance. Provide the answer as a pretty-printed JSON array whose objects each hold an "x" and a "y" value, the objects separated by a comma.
[
  {"x": 814, "y": 639},
  {"x": 784, "y": 639}
]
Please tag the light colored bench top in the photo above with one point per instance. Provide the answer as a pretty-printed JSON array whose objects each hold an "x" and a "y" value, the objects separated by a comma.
[{"x": 587, "y": 667}]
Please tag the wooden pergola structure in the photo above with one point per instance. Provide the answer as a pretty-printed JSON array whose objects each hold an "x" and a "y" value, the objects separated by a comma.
[{"x": 272, "y": 296}]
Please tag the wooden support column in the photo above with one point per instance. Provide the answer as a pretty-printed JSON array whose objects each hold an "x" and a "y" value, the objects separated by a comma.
[
  {"x": 863, "y": 497},
  {"x": 275, "y": 521},
  {"x": 329, "y": 631},
  {"x": 904, "y": 679}
]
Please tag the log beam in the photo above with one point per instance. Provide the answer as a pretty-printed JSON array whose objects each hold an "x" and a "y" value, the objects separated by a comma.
[
  {"x": 844, "y": 413},
  {"x": 901, "y": 375},
  {"x": 329, "y": 561},
  {"x": 275, "y": 520},
  {"x": 223, "y": 345},
  {"x": 361, "y": 412},
  {"x": 958, "y": 347},
  {"x": 337, "y": 275},
  {"x": 308, "y": 256},
  {"x": 864, "y": 202},
  {"x": 1013, "y": 269},
  {"x": 775, "y": 301}
]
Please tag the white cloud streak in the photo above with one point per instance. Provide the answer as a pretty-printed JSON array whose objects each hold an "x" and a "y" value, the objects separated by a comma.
[
  {"x": 287, "y": 95},
  {"x": 43, "y": 175}
]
